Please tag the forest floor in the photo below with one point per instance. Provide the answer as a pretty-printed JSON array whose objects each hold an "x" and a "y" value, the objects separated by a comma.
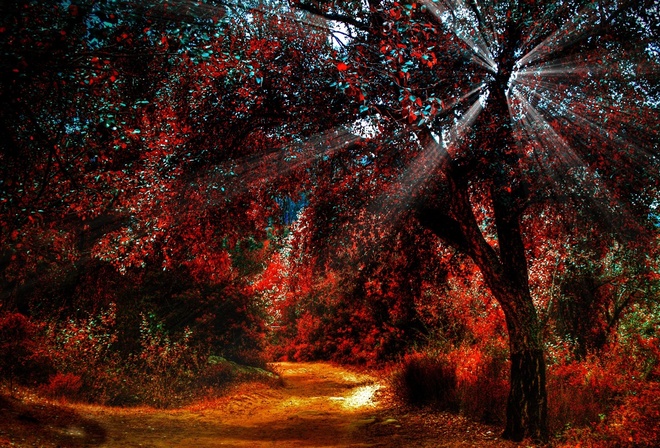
[{"x": 318, "y": 405}]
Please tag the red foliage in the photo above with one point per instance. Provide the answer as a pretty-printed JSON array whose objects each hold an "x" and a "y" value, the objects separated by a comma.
[
  {"x": 635, "y": 421},
  {"x": 62, "y": 385},
  {"x": 22, "y": 357},
  {"x": 143, "y": 162}
]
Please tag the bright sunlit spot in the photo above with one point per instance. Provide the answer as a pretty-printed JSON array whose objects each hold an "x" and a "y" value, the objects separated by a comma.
[{"x": 361, "y": 397}]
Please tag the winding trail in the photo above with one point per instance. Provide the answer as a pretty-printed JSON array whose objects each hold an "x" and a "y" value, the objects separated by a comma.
[{"x": 319, "y": 405}]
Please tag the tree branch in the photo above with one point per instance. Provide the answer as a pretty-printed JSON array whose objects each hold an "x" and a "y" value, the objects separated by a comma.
[
  {"x": 347, "y": 20},
  {"x": 445, "y": 227}
]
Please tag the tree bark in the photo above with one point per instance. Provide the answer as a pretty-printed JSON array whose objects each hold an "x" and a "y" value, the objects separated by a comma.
[
  {"x": 526, "y": 412},
  {"x": 527, "y": 402},
  {"x": 504, "y": 267}
]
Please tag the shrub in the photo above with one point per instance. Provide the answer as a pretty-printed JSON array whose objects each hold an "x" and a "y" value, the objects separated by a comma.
[
  {"x": 482, "y": 382},
  {"x": 423, "y": 379},
  {"x": 584, "y": 392},
  {"x": 63, "y": 385},
  {"x": 16, "y": 344},
  {"x": 21, "y": 357},
  {"x": 163, "y": 373},
  {"x": 608, "y": 399},
  {"x": 85, "y": 347},
  {"x": 635, "y": 421},
  {"x": 579, "y": 393},
  {"x": 83, "y": 344},
  {"x": 470, "y": 379}
]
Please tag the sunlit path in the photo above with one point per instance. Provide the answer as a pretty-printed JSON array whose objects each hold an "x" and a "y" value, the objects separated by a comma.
[{"x": 319, "y": 405}]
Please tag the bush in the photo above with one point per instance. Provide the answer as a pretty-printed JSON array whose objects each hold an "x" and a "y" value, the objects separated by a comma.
[
  {"x": 21, "y": 355},
  {"x": 164, "y": 371},
  {"x": 607, "y": 400},
  {"x": 483, "y": 382},
  {"x": 636, "y": 421},
  {"x": 423, "y": 379},
  {"x": 63, "y": 385},
  {"x": 579, "y": 394},
  {"x": 468, "y": 379}
]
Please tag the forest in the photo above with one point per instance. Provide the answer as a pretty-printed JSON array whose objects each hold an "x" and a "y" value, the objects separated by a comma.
[{"x": 462, "y": 194}]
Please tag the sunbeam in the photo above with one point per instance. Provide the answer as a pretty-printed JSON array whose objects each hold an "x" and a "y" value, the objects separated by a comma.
[
  {"x": 446, "y": 106},
  {"x": 580, "y": 25},
  {"x": 237, "y": 176},
  {"x": 551, "y": 95},
  {"x": 398, "y": 196},
  {"x": 570, "y": 173},
  {"x": 380, "y": 218},
  {"x": 453, "y": 14},
  {"x": 598, "y": 64}
]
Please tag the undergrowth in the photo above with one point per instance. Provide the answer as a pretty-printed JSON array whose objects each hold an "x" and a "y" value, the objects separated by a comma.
[
  {"x": 78, "y": 360},
  {"x": 610, "y": 400}
]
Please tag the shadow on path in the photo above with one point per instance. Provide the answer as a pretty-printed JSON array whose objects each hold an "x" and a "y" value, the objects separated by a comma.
[{"x": 23, "y": 423}]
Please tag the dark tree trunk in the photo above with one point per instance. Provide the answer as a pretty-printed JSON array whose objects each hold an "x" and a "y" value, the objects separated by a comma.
[
  {"x": 506, "y": 277},
  {"x": 504, "y": 267},
  {"x": 527, "y": 403},
  {"x": 526, "y": 412}
]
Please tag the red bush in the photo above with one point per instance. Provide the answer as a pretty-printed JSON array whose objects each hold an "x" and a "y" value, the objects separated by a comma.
[
  {"x": 483, "y": 386},
  {"x": 63, "y": 385},
  {"x": 636, "y": 422},
  {"x": 469, "y": 379},
  {"x": 21, "y": 354}
]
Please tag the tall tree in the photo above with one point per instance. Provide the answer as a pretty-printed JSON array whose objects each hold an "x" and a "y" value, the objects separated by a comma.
[{"x": 509, "y": 105}]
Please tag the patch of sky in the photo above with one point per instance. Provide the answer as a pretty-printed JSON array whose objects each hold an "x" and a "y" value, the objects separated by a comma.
[
  {"x": 291, "y": 208},
  {"x": 366, "y": 159},
  {"x": 340, "y": 35},
  {"x": 364, "y": 127}
]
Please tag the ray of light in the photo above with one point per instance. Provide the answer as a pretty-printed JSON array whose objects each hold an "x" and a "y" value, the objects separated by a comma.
[
  {"x": 464, "y": 97},
  {"x": 570, "y": 174},
  {"x": 238, "y": 176},
  {"x": 384, "y": 212},
  {"x": 562, "y": 69},
  {"x": 487, "y": 30},
  {"x": 552, "y": 95},
  {"x": 583, "y": 23},
  {"x": 595, "y": 65},
  {"x": 397, "y": 198},
  {"x": 456, "y": 132},
  {"x": 381, "y": 217},
  {"x": 387, "y": 209},
  {"x": 448, "y": 13}
]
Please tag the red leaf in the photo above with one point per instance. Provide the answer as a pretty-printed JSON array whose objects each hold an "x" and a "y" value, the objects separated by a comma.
[{"x": 342, "y": 67}]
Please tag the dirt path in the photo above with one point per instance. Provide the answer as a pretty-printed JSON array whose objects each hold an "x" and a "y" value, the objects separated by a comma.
[{"x": 320, "y": 405}]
